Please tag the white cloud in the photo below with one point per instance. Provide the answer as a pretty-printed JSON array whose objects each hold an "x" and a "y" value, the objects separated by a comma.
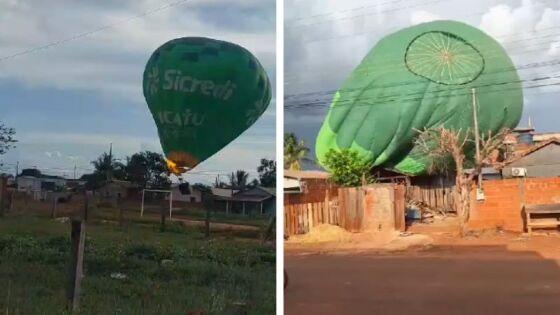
[
  {"x": 110, "y": 62},
  {"x": 422, "y": 16}
]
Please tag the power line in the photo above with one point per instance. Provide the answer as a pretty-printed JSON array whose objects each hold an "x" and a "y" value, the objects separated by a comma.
[
  {"x": 363, "y": 8},
  {"x": 400, "y": 99},
  {"x": 91, "y": 32},
  {"x": 489, "y": 54},
  {"x": 552, "y": 62},
  {"x": 362, "y": 15}
]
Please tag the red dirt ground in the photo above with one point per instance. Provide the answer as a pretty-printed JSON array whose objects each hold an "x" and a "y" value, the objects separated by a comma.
[{"x": 489, "y": 273}]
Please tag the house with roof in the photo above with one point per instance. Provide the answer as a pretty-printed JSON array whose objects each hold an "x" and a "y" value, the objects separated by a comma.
[
  {"x": 257, "y": 200},
  {"x": 117, "y": 188},
  {"x": 541, "y": 160},
  {"x": 184, "y": 193}
]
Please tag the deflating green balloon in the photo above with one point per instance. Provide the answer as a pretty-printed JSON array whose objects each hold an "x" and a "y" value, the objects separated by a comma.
[
  {"x": 203, "y": 93},
  {"x": 421, "y": 77}
]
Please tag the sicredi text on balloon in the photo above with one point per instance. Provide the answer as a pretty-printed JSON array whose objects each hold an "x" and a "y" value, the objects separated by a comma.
[{"x": 175, "y": 80}]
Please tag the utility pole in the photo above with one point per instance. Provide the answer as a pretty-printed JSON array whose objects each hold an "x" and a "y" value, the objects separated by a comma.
[
  {"x": 17, "y": 169},
  {"x": 74, "y": 171},
  {"x": 479, "y": 192},
  {"x": 110, "y": 169}
]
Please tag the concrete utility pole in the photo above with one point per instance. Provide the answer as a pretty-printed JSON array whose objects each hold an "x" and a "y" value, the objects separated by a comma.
[{"x": 479, "y": 192}]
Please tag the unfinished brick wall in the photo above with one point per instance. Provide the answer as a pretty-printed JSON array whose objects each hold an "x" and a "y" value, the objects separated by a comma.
[{"x": 505, "y": 198}]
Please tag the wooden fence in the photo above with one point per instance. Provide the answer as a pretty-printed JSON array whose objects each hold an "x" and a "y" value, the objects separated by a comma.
[
  {"x": 346, "y": 209},
  {"x": 300, "y": 218},
  {"x": 436, "y": 197}
]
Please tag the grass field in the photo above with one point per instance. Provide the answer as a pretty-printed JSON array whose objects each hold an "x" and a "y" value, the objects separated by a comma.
[{"x": 175, "y": 272}]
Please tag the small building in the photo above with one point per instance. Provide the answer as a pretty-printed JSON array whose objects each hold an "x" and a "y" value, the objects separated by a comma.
[
  {"x": 117, "y": 188},
  {"x": 542, "y": 160},
  {"x": 300, "y": 181},
  {"x": 306, "y": 187},
  {"x": 39, "y": 186},
  {"x": 256, "y": 200},
  {"x": 184, "y": 193}
]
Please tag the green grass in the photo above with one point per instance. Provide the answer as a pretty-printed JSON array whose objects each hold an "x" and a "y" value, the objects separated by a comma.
[
  {"x": 222, "y": 217},
  {"x": 214, "y": 276}
]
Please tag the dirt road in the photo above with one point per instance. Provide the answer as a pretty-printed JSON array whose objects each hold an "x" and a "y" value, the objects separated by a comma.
[{"x": 445, "y": 279}]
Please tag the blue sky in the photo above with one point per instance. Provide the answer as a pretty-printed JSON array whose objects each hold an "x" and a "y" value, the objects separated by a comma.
[
  {"x": 326, "y": 39},
  {"x": 68, "y": 102}
]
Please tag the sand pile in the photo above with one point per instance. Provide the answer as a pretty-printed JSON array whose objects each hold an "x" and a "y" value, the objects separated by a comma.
[{"x": 323, "y": 233}]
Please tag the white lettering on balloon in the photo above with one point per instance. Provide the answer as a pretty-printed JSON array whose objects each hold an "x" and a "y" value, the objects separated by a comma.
[
  {"x": 186, "y": 118},
  {"x": 174, "y": 80}
]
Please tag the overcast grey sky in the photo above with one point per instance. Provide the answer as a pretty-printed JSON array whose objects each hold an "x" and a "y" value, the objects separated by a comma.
[
  {"x": 68, "y": 102},
  {"x": 326, "y": 39}
]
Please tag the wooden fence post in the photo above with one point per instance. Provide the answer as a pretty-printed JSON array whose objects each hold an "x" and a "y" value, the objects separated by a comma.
[
  {"x": 53, "y": 209},
  {"x": 207, "y": 223},
  {"x": 3, "y": 181},
  {"x": 162, "y": 220},
  {"x": 78, "y": 237}
]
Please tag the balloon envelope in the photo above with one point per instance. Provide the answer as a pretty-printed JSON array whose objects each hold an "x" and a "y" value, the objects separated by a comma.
[
  {"x": 203, "y": 93},
  {"x": 421, "y": 77}
]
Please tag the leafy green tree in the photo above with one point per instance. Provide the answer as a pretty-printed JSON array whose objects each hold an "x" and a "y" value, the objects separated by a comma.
[
  {"x": 202, "y": 187},
  {"x": 347, "y": 169},
  {"x": 218, "y": 183},
  {"x": 267, "y": 173},
  {"x": 238, "y": 179},
  {"x": 109, "y": 166},
  {"x": 30, "y": 172},
  {"x": 7, "y": 139},
  {"x": 294, "y": 152},
  {"x": 148, "y": 170}
]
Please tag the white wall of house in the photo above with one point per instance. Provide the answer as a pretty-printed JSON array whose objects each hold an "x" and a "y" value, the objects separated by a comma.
[
  {"x": 194, "y": 196},
  {"x": 31, "y": 183}
]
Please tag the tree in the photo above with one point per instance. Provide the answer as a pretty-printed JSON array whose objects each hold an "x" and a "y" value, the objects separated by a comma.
[
  {"x": 267, "y": 173},
  {"x": 238, "y": 179},
  {"x": 202, "y": 187},
  {"x": 294, "y": 152},
  {"x": 7, "y": 139},
  {"x": 148, "y": 170},
  {"x": 107, "y": 165},
  {"x": 218, "y": 183},
  {"x": 451, "y": 150},
  {"x": 31, "y": 172},
  {"x": 347, "y": 169}
]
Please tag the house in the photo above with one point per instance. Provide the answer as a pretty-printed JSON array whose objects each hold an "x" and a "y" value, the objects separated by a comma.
[
  {"x": 183, "y": 193},
  {"x": 117, "y": 188},
  {"x": 223, "y": 192},
  {"x": 39, "y": 185},
  {"x": 300, "y": 181},
  {"x": 256, "y": 200},
  {"x": 541, "y": 160}
]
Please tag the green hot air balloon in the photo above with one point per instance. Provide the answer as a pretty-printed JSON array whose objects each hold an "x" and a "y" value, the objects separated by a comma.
[
  {"x": 203, "y": 93},
  {"x": 421, "y": 77}
]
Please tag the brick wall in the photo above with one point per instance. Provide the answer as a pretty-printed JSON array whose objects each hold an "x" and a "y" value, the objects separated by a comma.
[{"x": 505, "y": 198}]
